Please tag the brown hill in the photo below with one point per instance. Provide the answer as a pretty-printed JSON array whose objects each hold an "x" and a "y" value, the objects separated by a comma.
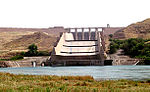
[
  {"x": 9, "y": 34},
  {"x": 42, "y": 40},
  {"x": 136, "y": 30},
  {"x": 51, "y": 30}
]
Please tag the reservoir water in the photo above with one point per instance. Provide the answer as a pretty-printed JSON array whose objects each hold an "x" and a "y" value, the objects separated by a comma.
[{"x": 98, "y": 72}]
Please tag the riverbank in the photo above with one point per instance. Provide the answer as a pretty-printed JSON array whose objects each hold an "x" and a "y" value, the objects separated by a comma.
[
  {"x": 26, "y": 62},
  {"x": 12, "y": 82}
]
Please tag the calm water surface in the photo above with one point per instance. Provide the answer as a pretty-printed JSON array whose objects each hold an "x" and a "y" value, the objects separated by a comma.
[{"x": 98, "y": 72}]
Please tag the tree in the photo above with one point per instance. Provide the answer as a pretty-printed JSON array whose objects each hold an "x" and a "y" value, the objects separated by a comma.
[
  {"x": 111, "y": 35},
  {"x": 32, "y": 50},
  {"x": 134, "y": 47},
  {"x": 113, "y": 47}
]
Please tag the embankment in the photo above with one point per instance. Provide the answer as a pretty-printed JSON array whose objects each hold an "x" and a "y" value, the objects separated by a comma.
[{"x": 26, "y": 62}]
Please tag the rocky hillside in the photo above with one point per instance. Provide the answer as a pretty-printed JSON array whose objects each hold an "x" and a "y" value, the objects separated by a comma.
[
  {"x": 41, "y": 39},
  {"x": 136, "y": 30}
]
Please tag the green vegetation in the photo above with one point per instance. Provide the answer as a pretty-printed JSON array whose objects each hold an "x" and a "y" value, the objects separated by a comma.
[
  {"x": 111, "y": 35},
  {"x": 33, "y": 51},
  {"x": 134, "y": 47},
  {"x": 13, "y": 83},
  {"x": 17, "y": 57},
  {"x": 4, "y": 59},
  {"x": 115, "y": 45},
  {"x": 43, "y": 53}
]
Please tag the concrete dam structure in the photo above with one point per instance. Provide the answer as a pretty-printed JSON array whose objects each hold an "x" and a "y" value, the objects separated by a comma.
[{"x": 79, "y": 46}]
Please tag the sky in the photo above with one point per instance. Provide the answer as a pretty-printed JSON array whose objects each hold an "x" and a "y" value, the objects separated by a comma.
[{"x": 72, "y": 13}]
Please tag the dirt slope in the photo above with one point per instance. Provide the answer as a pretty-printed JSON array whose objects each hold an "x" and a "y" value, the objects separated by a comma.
[
  {"x": 42, "y": 40},
  {"x": 10, "y": 34},
  {"x": 136, "y": 30}
]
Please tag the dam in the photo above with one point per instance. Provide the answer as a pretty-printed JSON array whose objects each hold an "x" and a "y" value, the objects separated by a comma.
[{"x": 79, "y": 46}]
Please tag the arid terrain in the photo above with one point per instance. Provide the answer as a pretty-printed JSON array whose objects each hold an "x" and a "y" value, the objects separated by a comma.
[
  {"x": 135, "y": 30},
  {"x": 18, "y": 39},
  {"x": 43, "y": 40}
]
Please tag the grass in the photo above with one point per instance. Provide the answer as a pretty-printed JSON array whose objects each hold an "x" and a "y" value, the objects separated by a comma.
[
  {"x": 32, "y": 83},
  {"x": 4, "y": 59},
  {"x": 14, "y": 58}
]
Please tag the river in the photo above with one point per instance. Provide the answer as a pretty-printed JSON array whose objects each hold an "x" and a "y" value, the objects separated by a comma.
[{"x": 98, "y": 72}]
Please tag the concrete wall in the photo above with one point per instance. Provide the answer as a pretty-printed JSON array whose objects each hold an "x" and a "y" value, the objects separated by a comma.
[
  {"x": 100, "y": 48},
  {"x": 76, "y": 60},
  {"x": 64, "y": 46},
  {"x": 68, "y": 36},
  {"x": 78, "y": 52},
  {"x": 79, "y": 49},
  {"x": 26, "y": 62},
  {"x": 80, "y": 43},
  {"x": 57, "y": 49}
]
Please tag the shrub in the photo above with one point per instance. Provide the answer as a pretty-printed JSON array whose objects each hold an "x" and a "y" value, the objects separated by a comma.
[
  {"x": 113, "y": 47},
  {"x": 22, "y": 53},
  {"x": 134, "y": 47},
  {"x": 4, "y": 59},
  {"x": 43, "y": 53},
  {"x": 32, "y": 50},
  {"x": 17, "y": 57},
  {"x": 111, "y": 35}
]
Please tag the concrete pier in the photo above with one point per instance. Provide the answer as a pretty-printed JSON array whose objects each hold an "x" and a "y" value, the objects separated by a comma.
[
  {"x": 89, "y": 33},
  {"x": 82, "y": 33},
  {"x": 96, "y": 30},
  {"x": 76, "y": 34}
]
